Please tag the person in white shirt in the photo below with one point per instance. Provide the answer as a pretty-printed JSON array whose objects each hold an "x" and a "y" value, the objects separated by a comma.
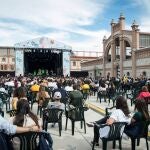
[
  {"x": 69, "y": 86},
  {"x": 120, "y": 114}
]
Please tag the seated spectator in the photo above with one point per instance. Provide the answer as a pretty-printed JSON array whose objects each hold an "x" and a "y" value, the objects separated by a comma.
[
  {"x": 144, "y": 93},
  {"x": 19, "y": 93},
  {"x": 69, "y": 87},
  {"x": 76, "y": 97},
  {"x": 24, "y": 118},
  {"x": 121, "y": 114},
  {"x": 43, "y": 97},
  {"x": 63, "y": 92},
  {"x": 9, "y": 128},
  {"x": 139, "y": 116},
  {"x": 56, "y": 103},
  {"x": 14, "y": 100},
  {"x": 35, "y": 87}
]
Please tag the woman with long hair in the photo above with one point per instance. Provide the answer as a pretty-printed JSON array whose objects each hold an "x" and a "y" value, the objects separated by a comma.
[
  {"x": 21, "y": 93},
  {"x": 18, "y": 94},
  {"x": 141, "y": 115},
  {"x": 120, "y": 114},
  {"x": 24, "y": 117},
  {"x": 43, "y": 97}
]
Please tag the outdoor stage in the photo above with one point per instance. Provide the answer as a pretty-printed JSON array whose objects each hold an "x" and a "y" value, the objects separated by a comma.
[{"x": 42, "y": 56}]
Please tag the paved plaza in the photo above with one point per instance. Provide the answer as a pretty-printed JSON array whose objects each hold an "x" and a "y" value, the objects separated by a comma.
[{"x": 80, "y": 140}]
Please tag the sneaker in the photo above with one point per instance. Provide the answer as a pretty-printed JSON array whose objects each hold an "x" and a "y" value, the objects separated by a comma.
[
  {"x": 96, "y": 144},
  {"x": 90, "y": 124}
]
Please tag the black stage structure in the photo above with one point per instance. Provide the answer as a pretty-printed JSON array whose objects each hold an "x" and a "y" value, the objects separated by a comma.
[{"x": 43, "y": 61}]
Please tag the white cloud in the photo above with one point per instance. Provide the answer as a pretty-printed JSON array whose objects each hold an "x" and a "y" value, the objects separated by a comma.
[
  {"x": 65, "y": 16},
  {"x": 144, "y": 21},
  {"x": 54, "y": 13}
]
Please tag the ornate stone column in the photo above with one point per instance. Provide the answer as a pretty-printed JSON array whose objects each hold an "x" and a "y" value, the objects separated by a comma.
[
  {"x": 135, "y": 46},
  {"x": 112, "y": 57},
  {"x": 121, "y": 55},
  {"x": 104, "y": 57}
]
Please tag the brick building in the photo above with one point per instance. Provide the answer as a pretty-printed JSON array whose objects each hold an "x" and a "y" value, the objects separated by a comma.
[{"x": 124, "y": 52}]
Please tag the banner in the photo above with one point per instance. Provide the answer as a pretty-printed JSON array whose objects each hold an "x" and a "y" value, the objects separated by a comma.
[
  {"x": 66, "y": 63},
  {"x": 19, "y": 62}
]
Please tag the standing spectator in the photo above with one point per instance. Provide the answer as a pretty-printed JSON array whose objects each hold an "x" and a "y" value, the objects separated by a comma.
[{"x": 85, "y": 89}]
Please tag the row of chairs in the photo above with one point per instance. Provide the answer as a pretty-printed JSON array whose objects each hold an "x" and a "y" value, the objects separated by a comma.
[
  {"x": 28, "y": 140},
  {"x": 55, "y": 116},
  {"x": 116, "y": 135}
]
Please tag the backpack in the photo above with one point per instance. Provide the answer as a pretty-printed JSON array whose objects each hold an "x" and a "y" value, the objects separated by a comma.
[
  {"x": 45, "y": 141},
  {"x": 5, "y": 142}
]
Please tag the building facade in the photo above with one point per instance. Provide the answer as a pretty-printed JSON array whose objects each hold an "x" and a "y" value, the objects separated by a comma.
[
  {"x": 7, "y": 59},
  {"x": 125, "y": 52}
]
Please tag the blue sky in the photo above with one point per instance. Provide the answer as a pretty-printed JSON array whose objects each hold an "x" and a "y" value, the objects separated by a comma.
[{"x": 81, "y": 24}]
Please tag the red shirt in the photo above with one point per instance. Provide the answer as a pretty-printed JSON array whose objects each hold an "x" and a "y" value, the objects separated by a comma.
[{"x": 143, "y": 95}]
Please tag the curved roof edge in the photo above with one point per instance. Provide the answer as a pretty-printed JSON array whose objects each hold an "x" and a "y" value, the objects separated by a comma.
[{"x": 42, "y": 42}]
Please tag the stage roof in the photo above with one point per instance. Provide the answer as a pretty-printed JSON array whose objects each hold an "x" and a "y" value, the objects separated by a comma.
[{"x": 43, "y": 42}]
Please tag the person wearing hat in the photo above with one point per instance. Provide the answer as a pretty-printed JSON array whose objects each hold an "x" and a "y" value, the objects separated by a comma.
[{"x": 56, "y": 104}]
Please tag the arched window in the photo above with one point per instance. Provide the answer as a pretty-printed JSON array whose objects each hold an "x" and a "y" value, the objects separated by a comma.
[
  {"x": 12, "y": 67},
  {"x": 74, "y": 63},
  {"x": 2, "y": 67},
  {"x": 3, "y": 59},
  {"x": 13, "y": 59},
  {"x": 128, "y": 74},
  {"x": 5, "y": 67},
  {"x": 127, "y": 50}
]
